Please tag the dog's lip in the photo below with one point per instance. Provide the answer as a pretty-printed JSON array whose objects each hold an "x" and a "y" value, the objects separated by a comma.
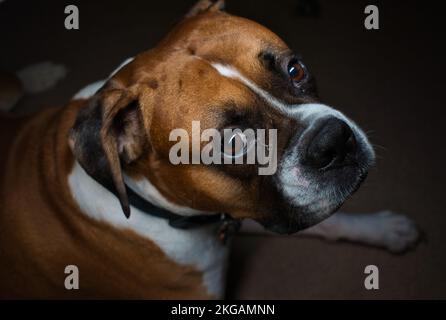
[
  {"x": 334, "y": 203},
  {"x": 362, "y": 174},
  {"x": 361, "y": 177},
  {"x": 292, "y": 185}
]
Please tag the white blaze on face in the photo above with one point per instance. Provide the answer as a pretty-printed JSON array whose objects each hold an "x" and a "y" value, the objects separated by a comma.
[
  {"x": 310, "y": 112},
  {"x": 293, "y": 184},
  {"x": 306, "y": 113},
  {"x": 232, "y": 73}
]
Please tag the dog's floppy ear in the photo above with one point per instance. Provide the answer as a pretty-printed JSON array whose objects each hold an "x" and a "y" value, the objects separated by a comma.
[
  {"x": 206, "y": 6},
  {"x": 108, "y": 133}
]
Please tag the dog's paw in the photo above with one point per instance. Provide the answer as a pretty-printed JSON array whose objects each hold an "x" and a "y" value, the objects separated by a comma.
[{"x": 397, "y": 233}]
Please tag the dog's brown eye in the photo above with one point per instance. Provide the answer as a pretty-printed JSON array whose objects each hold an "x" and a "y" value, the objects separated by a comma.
[
  {"x": 237, "y": 143},
  {"x": 296, "y": 71}
]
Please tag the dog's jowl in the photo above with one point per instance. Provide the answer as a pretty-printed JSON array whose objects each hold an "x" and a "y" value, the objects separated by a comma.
[{"x": 91, "y": 184}]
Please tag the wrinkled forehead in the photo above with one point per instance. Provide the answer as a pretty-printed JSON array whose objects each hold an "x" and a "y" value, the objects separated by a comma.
[
  {"x": 214, "y": 37},
  {"x": 220, "y": 36},
  {"x": 195, "y": 48},
  {"x": 201, "y": 92},
  {"x": 209, "y": 68}
]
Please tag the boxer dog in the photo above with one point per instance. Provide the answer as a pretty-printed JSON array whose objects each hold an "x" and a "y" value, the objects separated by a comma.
[{"x": 91, "y": 185}]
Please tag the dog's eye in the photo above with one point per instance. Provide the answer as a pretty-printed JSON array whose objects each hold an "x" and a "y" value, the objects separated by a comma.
[
  {"x": 236, "y": 144},
  {"x": 296, "y": 71}
]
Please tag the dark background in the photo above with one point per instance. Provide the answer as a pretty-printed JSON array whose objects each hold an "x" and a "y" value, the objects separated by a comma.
[{"x": 390, "y": 81}]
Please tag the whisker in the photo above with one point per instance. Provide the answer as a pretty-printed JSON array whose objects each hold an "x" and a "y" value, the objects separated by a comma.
[{"x": 379, "y": 146}]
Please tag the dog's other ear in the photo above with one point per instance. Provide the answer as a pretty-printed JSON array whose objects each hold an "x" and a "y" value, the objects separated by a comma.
[
  {"x": 206, "y": 6},
  {"x": 108, "y": 133}
]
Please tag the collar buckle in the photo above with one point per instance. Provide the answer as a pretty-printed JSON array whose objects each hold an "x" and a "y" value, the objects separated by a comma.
[{"x": 228, "y": 228}]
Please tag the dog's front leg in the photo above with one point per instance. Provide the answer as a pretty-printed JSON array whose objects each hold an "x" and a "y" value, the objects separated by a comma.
[{"x": 386, "y": 229}]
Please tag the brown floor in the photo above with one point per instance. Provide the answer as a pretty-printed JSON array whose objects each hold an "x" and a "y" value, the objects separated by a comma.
[{"x": 390, "y": 81}]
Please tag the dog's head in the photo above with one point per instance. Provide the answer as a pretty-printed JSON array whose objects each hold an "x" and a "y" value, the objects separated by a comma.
[{"x": 225, "y": 72}]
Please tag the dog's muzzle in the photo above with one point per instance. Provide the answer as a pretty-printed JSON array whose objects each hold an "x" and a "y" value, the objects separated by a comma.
[
  {"x": 322, "y": 166},
  {"x": 331, "y": 142}
]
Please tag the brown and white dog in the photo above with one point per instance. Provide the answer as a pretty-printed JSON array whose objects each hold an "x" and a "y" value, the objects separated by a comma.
[{"x": 221, "y": 70}]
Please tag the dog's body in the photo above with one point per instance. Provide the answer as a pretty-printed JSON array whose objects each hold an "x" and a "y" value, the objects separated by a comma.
[
  {"x": 57, "y": 209},
  {"x": 43, "y": 230}
]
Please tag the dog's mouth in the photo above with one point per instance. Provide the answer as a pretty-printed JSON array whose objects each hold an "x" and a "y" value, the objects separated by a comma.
[
  {"x": 318, "y": 172},
  {"x": 322, "y": 201}
]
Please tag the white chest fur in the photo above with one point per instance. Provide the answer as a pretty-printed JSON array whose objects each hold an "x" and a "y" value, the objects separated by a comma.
[{"x": 199, "y": 247}]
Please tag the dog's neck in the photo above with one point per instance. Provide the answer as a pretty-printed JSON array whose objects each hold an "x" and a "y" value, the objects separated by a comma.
[
  {"x": 197, "y": 247},
  {"x": 145, "y": 189}
]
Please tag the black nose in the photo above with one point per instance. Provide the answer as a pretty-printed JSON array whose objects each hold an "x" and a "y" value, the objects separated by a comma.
[{"x": 332, "y": 141}]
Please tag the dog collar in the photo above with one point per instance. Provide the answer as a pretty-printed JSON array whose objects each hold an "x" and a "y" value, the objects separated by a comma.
[{"x": 228, "y": 225}]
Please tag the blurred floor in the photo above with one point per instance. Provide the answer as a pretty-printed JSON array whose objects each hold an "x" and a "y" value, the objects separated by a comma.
[{"x": 390, "y": 81}]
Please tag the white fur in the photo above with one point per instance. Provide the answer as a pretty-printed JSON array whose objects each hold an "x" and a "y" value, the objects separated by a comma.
[
  {"x": 199, "y": 247},
  {"x": 392, "y": 231},
  {"x": 307, "y": 113},
  {"x": 125, "y": 62},
  {"x": 314, "y": 195},
  {"x": 292, "y": 183},
  {"x": 230, "y": 72},
  {"x": 89, "y": 90}
]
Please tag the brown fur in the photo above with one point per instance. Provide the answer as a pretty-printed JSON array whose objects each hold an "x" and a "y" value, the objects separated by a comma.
[
  {"x": 41, "y": 227},
  {"x": 187, "y": 89}
]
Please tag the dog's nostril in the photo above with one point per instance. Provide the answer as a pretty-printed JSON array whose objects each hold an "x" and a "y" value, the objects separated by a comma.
[{"x": 330, "y": 145}]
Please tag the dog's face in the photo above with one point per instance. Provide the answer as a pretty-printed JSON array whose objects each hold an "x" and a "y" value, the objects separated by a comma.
[{"x": 225, "y": 72}]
